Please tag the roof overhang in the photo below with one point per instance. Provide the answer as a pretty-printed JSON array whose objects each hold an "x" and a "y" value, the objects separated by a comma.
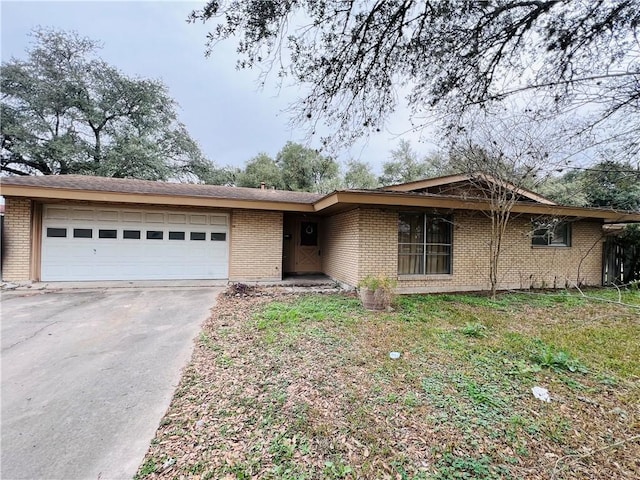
[
  {"x": 327, "y": 205},
  {"x": 404, "y": 200},
  {"x": 47, "y": 193}
]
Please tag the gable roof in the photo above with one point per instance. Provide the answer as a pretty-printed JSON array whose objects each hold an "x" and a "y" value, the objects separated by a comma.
[{"x": 464, "y": 177}]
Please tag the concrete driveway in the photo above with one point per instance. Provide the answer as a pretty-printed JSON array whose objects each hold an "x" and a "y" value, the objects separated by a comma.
[{"x": 87, "y": 376}]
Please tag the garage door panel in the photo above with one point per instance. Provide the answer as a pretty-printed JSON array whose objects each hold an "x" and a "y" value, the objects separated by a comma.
[{"x": 95, "y": 258}]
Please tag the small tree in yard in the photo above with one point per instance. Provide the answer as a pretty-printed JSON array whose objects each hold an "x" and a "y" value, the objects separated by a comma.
[{"x": 503, "y": 160}]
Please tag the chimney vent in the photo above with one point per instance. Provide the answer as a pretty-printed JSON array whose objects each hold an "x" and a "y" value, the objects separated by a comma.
[{"x": 262, "y": 185}]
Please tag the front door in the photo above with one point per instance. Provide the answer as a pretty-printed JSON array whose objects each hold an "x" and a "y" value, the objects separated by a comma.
[{"x": 307, "y": 252}]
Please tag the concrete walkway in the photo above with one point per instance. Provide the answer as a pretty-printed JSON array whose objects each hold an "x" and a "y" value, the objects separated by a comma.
[{"x": 87, "y": 375}]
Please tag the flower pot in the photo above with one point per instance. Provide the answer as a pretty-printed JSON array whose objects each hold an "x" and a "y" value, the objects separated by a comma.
[{"x": 375, "y": 300}]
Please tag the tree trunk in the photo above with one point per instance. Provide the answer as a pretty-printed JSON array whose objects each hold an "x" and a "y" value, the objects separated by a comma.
[{"x": 97, "y": 148}]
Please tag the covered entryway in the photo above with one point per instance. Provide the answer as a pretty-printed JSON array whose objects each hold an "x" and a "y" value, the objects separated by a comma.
[
  {"x": 301, "y": 245},
  {"x": 103, "y": 243}
]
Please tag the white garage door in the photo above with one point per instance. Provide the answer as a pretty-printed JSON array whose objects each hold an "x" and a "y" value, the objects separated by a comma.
[{"x": 81, "y": 243}]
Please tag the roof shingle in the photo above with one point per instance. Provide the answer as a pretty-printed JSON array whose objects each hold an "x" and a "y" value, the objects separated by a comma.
[{"x": 125, "y": 185}]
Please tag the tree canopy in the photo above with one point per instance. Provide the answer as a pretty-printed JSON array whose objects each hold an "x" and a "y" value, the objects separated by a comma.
[
  {"x": 406, "y": 165},
  {"x": 607, "y": 184},
  {"x": 305, "y": 169},
  {"x": 359, "y": 57},
  {"x": 259, "y": 169},
  {"x": 64, "y": 110},
  {"x": 358, "y": 174},
  {"x": 295, "y": 167}
]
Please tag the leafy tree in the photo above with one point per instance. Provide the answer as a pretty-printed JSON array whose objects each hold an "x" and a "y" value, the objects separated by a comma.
[
  {"x": 64, "y": 110},
  {"x": 612, "y": 184},
  {"x": 568, "y": 189},
  {"x": 607, "y": 184},
  {"x": 604, "y": 184},
  {"x": 261, "y": 168},
  {"x": 304, "y": 169},
  {"x": 406, "y": 166},
  {"x": 451, "y": 54},
  {"x": 227, "y": 176},
  {"x": 359, "y": 175}
]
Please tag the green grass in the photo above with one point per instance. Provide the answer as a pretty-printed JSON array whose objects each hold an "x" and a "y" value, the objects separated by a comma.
[
  {"x": 308, "y": 308},
  {"x": 146, "y": 469},
  {"x": 283, "y": 319},
  {"x": 564, "y": 331},
  {"x": 609, "y": 346}
]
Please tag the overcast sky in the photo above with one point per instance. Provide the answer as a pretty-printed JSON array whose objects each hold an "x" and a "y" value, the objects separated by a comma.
[{"x": 223, "y": 109}]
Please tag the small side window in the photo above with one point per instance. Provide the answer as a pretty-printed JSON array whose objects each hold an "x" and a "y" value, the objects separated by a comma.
[
  {"x": 219, "y": 237},
  {"x": 176, "y": 235},
  {"x": 198, "y": 236},
  {"x": 107, "y": 234},
  {"x": 131, "y": 234},
  {"x": 154, "y": 235},
  {"x": 56, "y": 232},
  {"x": 82, "y": 233},
  {"x": 552, "y": 234}
]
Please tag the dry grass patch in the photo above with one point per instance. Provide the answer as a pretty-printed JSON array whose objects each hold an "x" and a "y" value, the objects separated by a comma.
[{"x": 303, "y": 387}]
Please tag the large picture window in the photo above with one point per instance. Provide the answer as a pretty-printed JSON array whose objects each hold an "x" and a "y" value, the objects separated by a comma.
[{"x": 424, "y": 244}]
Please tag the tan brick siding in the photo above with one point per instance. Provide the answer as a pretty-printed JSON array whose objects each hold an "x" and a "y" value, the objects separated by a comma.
[
  {"x": 256, "y": 246},
  {"x": 340, "y": 246},
  {"x": 378, "y": 242},
  {"x": 363, "y": 242},
  {"x": 16, "y": 240},
  {"x": 552, "y": 267},
  {"x": 521, "y": 265}
]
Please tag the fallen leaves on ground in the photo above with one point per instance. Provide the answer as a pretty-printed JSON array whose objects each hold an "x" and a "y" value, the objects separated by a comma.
[{"x": 320, "y": 398}]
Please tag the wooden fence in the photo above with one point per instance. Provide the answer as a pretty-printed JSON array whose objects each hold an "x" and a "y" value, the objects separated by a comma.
[{"x": 621, "y": 262}]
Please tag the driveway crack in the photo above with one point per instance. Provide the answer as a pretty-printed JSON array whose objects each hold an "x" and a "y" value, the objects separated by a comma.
[{"x": 31, "y": 336}]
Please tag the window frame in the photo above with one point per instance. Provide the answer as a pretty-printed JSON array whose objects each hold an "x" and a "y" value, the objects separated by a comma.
[
  {"x": 153, "y": 235},
  {"x": 108, "y": 233},
  {"x": 131, "y": 234},
  {"x": 538, "y": 238},
  {"x": 81, "y": 233},
  {"x": 56, "y": 232},
  {"x": 425, "y": 246}
]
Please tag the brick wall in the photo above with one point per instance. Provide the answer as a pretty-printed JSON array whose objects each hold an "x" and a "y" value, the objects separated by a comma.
[
  {"x": 16, "y": 240},
  {"x": 552, "y": 267},
  {"x": 378, "y": 242},
  {"x": 340, "y": 251},
  {"x": 256, "y": 246},
  {"x": 521, "y": 265}
]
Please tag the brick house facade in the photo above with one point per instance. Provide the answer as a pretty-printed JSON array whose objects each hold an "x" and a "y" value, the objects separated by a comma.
[
  {"x": 359, "y": 233},
  {"x": 17, "y": 239},
  {"x": 365, "y": 242}
]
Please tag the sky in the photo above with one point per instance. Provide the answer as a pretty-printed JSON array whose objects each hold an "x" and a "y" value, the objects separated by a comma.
[{"x": 224, "y": 110}]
